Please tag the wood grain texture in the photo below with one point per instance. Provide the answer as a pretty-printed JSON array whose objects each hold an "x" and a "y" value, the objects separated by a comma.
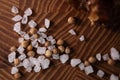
[{"x": 98, "y": 39}]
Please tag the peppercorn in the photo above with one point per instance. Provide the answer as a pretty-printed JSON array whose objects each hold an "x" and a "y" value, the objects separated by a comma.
[
  {"x": 16, "y": 61},
  {"x": 67, "y": 50},
  {"x": 31, "y": 53},
  {"x": 55, "y": 51},
  {"x": 92, "y": 59},
  {"x": 111, "y": 62},
  {"x": 71, "y": 20},
  {"x": 17, "y": 75},
  {"x": 48, "y": 53},
  {"x": 86, "y": 63},
  {"x": 33, "y": 31},
  {"x": 30, "y": 47},
  {"x": 25, "y": 44},
  {"x": 61, "y": 48},
  {"x": 13, "y": 48},
  {"x": 60, "y": 42}
]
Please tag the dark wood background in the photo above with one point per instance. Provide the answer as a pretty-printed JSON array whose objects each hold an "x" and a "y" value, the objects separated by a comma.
[{"x": 98, "y": 39}]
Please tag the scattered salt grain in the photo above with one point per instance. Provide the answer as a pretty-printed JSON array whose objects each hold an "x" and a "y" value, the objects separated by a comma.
[
  {"x": 88, "y": 70},
  {"x": 37, "y": 68},
  {"x": 98, "y": 57},
  {"x": 49, "y": 38},
  {"x": 17, "y": 18},
  {"x": 42, "y": 34},
  {"x": 28, "y": 12},
  {"x": 20, "y": 39},
  {"x": 51, "y": 47},
  {"x": 11, "y": 57},
  {"x": 55, "y": 56},
  {"x": 114, "y": 77},
  {"x": 105, "y": 57},
  {"x": 24, "y": 19},
  {"x": 32, "y": 23},
  {"x": 41, "y": 40},
  {"x": 47, "y": 23},
  {"x": 26, "y": 63},
  {"x": 17, "y": 27},
  {"x": 42, "y": 29},
  {"x": 74, "y": 62},
  {"x": 22, "y": 57},
  {"x": 14, "y": 70},
  {"x": 114, "y": 54},
  {"x": 41, "y": 58},
  {"x": 53, "y": 41},
  {"x": 26, "y": 37},
  {"x": 64, "y": 58},
  {"x": 20, "y": 49},
  {"x": 34, "y": 43},
  {"x": 45, "y": 64},
  {"x": 22, "y": 33},
  {"x": 81, "y": 66},
  {"x": 100, "y": 73},
  {"x": 72, "y": 32},
  {"x": 29, "y": 69},
  {"x": 82, "y": 38},
  {"x": 41, "y": 50},
  {"x": 14, "y": 10}
]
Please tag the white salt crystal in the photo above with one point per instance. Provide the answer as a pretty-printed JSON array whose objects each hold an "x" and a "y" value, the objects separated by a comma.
[
  {"x": 41, "y": 40},
  {"x": 100, "y": 73},
  {"x": 41, "y": 58},
  {"x": 74, "y": 62},
  {"x": 53, "y": 41},
  {"x": 28, "y": 12},
  {"x": 82, "y": 38},
  {"x": 22, "y": 33},
  {"x": 41, "y": 50},
  {"x": 88, "y": 70},
  {"x": 14, "y": 10},
  {"x": 20, "y": 39},
  {"x": 37, "y": 68},
  {"x": 51, "y": 47},
  {"x": 24, "y": 19},
  {"x": 11, "y": 57},
  {"x": 22, "y": 57},
  {"x": 45, "y": 64},
  {"x": 26, "y": 37},
  {"x": 35, "y": 61},
  {"x": 26, "y": 63},
  {"x": 81, "y": 66},
  {"x": 17, "y": 27},
  {"x": 20, "y": 49},
  {"x": 42, "y": 35},
  {"x": 114, "y": 77},
  {"x": 105, "y": 57},
  {"x": 28, "y": 69},
  {"x": 55, "y": 56},
  {"x": 34, "y": 43},
  {"x": 32, "y": 23},
  {"x": 17, "y": 18},
  {"x": 47, "y": 23},
  {"x": 72, "y": 32},
  {"x": 114, "y": 54},
  {"x": 42, "y": 29},
  {"x": 49, "y": 38},
  {"x": 64, "y": 58},
  {"x": 98, "y": 57},
  {"x": 14, "y": 70}
]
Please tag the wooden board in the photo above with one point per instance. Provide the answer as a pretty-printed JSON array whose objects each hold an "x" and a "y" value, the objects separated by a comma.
[{"x": 98, "y": 39}]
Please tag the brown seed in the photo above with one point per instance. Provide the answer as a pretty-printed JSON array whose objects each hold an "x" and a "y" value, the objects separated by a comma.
[
  {"x": 92, "y": 59},
  {"x": 86, "y": 63},
  {"x": 60, "y": 42},
  {"x": 55, "y": 51},
  {"x": 47, "y": 43},
  {"x": 13, "y": 48},
  {"x": 48, "y": 53},
  {"x": 17, "y": 75},
  {"x": 61, "y": 48},
  {"x": 25, "y": 44},
  {"x": 33, "y": 31},
  {"x": 30, "y": 47},
  {"x": 31, "y": 53},
  {"x": 16, "y": 61},
  {"x": 71, "y": 20},
  {"x": 111, "y": 62},
  {"x": 67, "y": 50},
  {"x": 35, "y": 36}
]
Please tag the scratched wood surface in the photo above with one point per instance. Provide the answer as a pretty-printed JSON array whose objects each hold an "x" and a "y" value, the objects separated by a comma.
[{"x": 98, "y": 39}]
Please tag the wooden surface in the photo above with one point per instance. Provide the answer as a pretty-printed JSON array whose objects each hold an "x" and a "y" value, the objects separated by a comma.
[{"x": 98, "y": 39}]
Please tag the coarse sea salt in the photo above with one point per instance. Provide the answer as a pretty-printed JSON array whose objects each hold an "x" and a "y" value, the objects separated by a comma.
[
  {"x": 74, "y": 62},
  {"x": 72, "y": 32},
  {"x": 42, "y": 29},
  {"x": 81, "y": 66},
  {"x": 26, "y": 37},
  {"x": 41, "y": 50},
  {"x": 32, "y": 24},
  {"x": 37, "y": 68},
  {"x": 26, "y": 63},
  {"x": 20, "y": 49},
  {"x": 22, "y": 57},
  {"x": 98, "y": 57},
  {"x": 114, "y": 54},
  {"x": 114, "y": 77},
  {"x": 89, "y": 70},
  {"x": 17, "y": 18},
  {"x": 56, "y": 56},
  {"x": 21, "y": 39},
  {"x": 105, "y": 57},
  {"x": 47, "y": 23},
  {"x": 14, "y": 70},
  {"x": 41, "y": 58},
  {"x": 41, "y": 40},
  {"x": 28, "y": 12},
  {"x": 14, "y": 10},
  {"x": 82, "y": 38},
  {"x": 17, "y": 27},
  {"x": 100, "y": 73},
  {"x": 45, "y": 63},
  {"x": 64, "y": 58},
  {"x": 24, "y": 19},
  {"x": 11, "y": 57}
]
